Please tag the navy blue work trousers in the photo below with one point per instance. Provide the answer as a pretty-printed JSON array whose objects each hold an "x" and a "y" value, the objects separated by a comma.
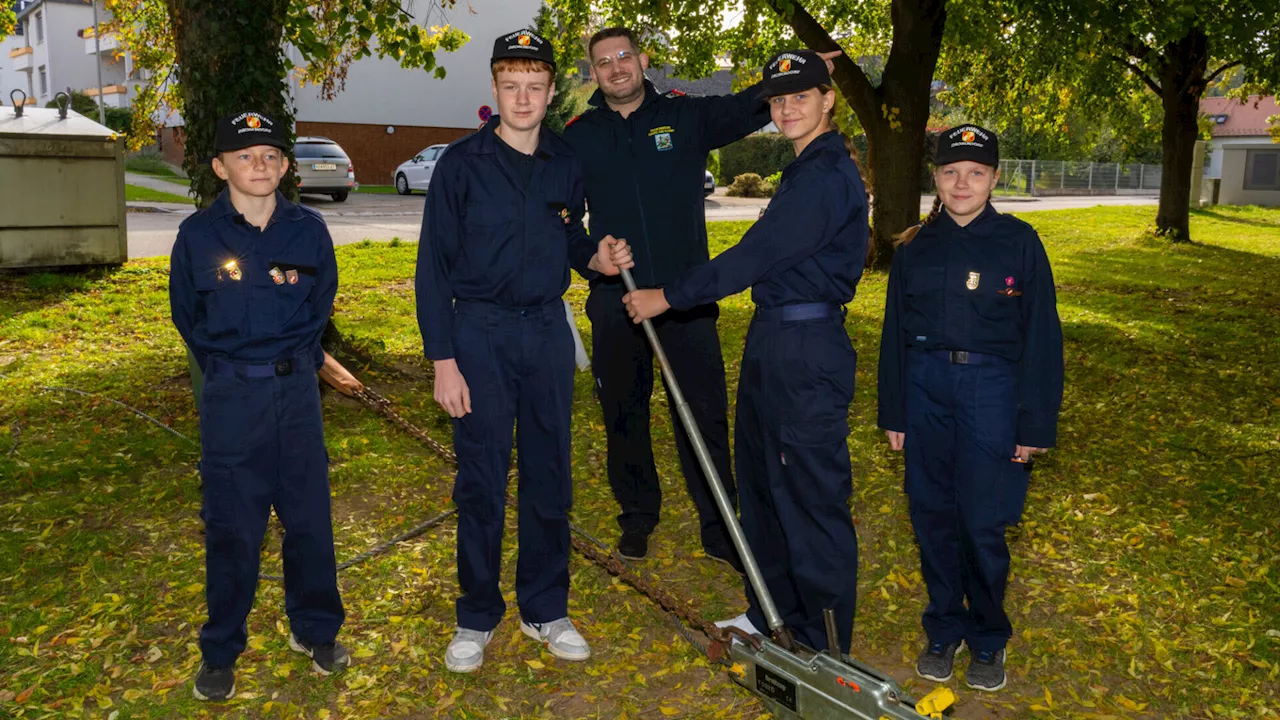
[
  {"x": 963, "y": 490},
  {"x": 794, "y": 474},
  {"x": 262, "y": 446},
  {"x": 518, "y": 365}
]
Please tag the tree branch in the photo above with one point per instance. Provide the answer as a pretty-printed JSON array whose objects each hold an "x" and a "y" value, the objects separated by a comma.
[
  {"x": 1213, "y": 75},
  {"x": 1142, "y": 74},
  {"x": 811, "y": 33}
]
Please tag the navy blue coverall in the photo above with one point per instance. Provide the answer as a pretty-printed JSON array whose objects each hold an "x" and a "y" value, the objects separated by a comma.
[
  {"x": 970, "y": 367},
  {"x": 493, "y": 263},
  {"x": 802, "y": 260},
  {"x": 644, "y": 176},
  {"x": 252, "y": 305}
]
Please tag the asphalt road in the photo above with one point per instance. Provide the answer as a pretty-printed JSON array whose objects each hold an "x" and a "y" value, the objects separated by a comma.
[{"x": 383, "y": 217}]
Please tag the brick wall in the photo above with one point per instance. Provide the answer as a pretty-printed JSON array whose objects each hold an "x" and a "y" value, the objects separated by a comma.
[{"x": 376, "y": 154}]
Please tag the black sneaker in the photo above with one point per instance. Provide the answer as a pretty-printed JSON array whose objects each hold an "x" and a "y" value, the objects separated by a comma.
[
  {"x": 986, "y": 670},
  {"x": 325, "y": 659},
  {"x": 726, "y": 554},
  {"x": 937, "y": 661},
  {"x": 214, "y": 685},
  {"x": 633, "y": 545}
]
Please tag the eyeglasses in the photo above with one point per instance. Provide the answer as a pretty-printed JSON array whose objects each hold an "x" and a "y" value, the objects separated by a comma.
[{"x": 607, "y": 61}]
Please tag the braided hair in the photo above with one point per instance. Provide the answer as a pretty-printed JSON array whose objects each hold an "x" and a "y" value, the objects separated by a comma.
[{"x": 909, "y": 234}]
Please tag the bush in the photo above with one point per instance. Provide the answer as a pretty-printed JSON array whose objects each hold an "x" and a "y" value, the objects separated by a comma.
[
  {"x": 148, "y": 164},
  {"x": 761, "y": 155},
  {"x": 750, "y": 185},
  {"x": 713, "y": 164}
]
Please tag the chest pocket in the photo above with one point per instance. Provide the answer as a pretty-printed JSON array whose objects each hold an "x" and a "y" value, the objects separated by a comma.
[
  {"x": 222, "y": 300},
  {"x": 993, "y": 293},
  {"x": 291, "y": 296}
]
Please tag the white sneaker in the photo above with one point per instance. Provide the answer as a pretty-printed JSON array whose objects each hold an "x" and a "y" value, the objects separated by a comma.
[
  {"x": 560, "y": 637},
  {"x": 466, "y": 650},
  {"x": 742, "y": 623}
]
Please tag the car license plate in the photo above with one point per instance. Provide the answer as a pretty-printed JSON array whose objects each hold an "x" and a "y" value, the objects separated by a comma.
[{"x": 324, "y": 166}]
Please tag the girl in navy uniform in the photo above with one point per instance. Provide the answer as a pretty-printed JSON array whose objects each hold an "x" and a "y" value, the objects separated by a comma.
[
  {"x": 970, "y": 385},
  {"x": 802, "y": 261}
]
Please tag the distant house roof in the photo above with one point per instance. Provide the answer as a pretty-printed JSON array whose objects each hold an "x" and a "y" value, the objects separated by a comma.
[
  {"x": 1236, "y": 119},
  {"x": 719, "y": 83}
]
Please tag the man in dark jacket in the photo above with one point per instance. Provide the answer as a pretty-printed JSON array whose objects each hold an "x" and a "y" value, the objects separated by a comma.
[{"x": 644, "y": 156}]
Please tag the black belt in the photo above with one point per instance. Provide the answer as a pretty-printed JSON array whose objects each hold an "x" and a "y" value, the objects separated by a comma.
[
  {"x": 799, "y": 311},
  {"x": 280, "y": 368},
  {"x": 481, "y": 308},
  {"x": 964, "y": 357}
]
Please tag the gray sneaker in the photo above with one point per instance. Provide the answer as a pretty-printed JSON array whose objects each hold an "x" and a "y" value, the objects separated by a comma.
[
  {"x": 466, "y": 650},
  {"x": 986, "y": 670},
  {"x": 936, "y": 661},
  {"x": 560, "y": 637}
]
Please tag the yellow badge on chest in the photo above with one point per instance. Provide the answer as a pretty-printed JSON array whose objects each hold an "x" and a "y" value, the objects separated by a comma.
[{"x": 972, "y": 282}]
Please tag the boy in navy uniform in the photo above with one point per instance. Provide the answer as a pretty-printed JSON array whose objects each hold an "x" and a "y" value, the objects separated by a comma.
[
  {"x": 501, "y": 228},
  {"x": 251, "y": 286},
  {"x": 970, "y": 385}
]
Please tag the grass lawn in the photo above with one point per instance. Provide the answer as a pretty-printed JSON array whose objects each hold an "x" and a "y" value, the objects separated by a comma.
[
  {"x": 377, "y": 189},
  {"x": 1145, "y": 571},
  {"x": 137, "y": 193}
]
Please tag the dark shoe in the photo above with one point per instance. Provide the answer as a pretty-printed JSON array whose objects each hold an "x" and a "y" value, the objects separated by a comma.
[
  {"x": 633, "y": 545},
  {"x": 937, "y": 661},
  {"x": 727, "y": 555},
  {"x": 986, "y": 670},
  {"x": 215, "y": 685},
  {"x": 325, "y": 659}
]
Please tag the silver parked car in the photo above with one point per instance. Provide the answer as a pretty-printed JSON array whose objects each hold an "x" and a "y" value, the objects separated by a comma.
[
  {"x": 323, "y": 168},
  {"x": 415, "y": 173}
]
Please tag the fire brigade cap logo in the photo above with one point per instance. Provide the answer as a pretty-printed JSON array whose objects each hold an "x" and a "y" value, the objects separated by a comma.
[
  {"x": 968, "y": 136},
  {"x": 967, "y": 143},
  {"x": 524, "y": 40},
  {"x": 253, "y": 122},
  {"x": 523, "y": 44},
  {"x": 784, "y": 64},
  {"x": 793, "y": 71}
]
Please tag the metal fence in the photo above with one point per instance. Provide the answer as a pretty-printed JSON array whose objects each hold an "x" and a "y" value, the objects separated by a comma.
[{"x": 1057, "y": 177}]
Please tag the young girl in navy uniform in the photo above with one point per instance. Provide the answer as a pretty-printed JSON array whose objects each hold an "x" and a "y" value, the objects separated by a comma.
[
  {"x": 802, "y": 261},
  {"x": 970, "y": 386}
]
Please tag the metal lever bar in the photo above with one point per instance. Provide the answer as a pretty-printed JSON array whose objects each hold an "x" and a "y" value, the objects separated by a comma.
[{"x": 713, "y": 478}]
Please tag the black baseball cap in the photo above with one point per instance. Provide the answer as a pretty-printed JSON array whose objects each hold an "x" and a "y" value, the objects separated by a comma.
[
  {"x": 967, "y": 142},
  {"x": 523, "y": 44},
  {"x": 791, "y": 71},
  {"x": 246, "y": 129}
]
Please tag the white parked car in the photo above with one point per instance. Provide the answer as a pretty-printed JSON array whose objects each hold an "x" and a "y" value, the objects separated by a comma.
[
  {"x": 708, "y": 183},
  {"x": 415, "y": 173}
]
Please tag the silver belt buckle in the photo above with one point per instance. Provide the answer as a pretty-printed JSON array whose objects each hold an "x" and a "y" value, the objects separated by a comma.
[{"x": 960, "y": 357}]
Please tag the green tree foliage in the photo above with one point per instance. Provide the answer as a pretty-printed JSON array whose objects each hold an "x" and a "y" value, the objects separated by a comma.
[
  {"x": 206, "y": 59},
  {"x": 570, "y": 100},
  {"x": 8, "y": 20},
  {"x": 762, "y": 155},
  {"x": 1051, "y": 59},
  {"x": 891, "y": 49}
]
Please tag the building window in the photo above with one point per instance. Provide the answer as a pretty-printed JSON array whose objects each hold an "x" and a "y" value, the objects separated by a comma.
[
  {"x": 39, "y": 27},
  {"x": 44, "y": 81},
  {"x": 1262, "y": 170}
]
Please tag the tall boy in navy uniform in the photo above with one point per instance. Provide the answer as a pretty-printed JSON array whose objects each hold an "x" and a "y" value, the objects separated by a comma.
[
  {"x": 251, "y": 286},
  {"x": 501, "y": 228}
]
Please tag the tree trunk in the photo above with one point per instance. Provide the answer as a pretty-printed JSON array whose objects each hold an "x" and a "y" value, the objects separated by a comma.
[
  {"x": 1182, "y": 82},
  {"x": 894, "y": 115},
  {"x": 230, "y": 59}
]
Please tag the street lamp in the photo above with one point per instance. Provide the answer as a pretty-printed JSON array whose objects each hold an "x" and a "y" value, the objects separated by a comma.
[{"x": 97, "y": 50}]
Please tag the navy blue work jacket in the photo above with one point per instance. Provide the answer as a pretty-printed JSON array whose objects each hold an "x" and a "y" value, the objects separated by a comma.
[
  {"x": 644, "y": 173},
  {"x": 810, "y": 245},
  {"x": 985, "y": 288},
  {"x": 486, "y": 237},
  {"x": 225, "y": 299}
]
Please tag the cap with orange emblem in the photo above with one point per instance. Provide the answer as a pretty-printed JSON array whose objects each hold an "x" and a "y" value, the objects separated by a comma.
[
  {"x": 793, "y": 71},
  {"x": 523, "y": 44},
  {"x": 967, "y": 142},
  {"x": 246, "y": 129}
]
